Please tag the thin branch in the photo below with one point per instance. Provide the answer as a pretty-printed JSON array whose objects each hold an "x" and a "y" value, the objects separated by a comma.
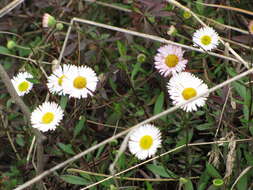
[
  {"x": 65, "y": 43},
  {"x": 109, "y": 5},
  {"x": 170, "y": 110},
  {"x": 9, "y": 7},
  {"x": 24, "y": 58},
  {"x": 228, "y": 7},
  {"x": 127, "y": 178}
]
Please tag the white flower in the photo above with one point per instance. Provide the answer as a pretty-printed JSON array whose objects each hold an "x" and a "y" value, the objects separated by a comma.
[
  {"x": 56, "y": 79},
  {"x": 21, "y": 85},
  {"x": 206, "y": 38},
  {"x": 46, "y": 116},
  {"x": 169, "y": 59},
  {"x": 80, "y": 82},
  {"x": 144, "y": 141},
  {"x": 185, "y": 86}
]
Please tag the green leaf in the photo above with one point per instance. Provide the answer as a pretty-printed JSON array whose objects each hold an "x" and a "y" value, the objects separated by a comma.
[
  {"x": 100, "y": 150},
  {"x": 79, "y": 126},
  {"x": 136, "y": 69},
  {"x": 63, "y": 102},
  {"x": 141, "y": 49},
  {"x": 66, "y": 148},
  {"x": 159, "y": 105},
  {"x": 203, "y": 181},
  {"x": 188, "y": 185},
  {"x": 4, "y": 50},
  {"x": 121, "y": 48},
  {"x": 240, "y": 89},
  {"x": 200, "y": 7},
  {"x": 33, "y": 80},
  {"x": 212, "y": 171},
  {"x": 205, "y": 126},
  {"x": 183, "y": 139},
  {"x": 72, "y": 179},
  {"x": 242, "y": 184},
  {"x": 20, "y": 140},
  {"x": 160, "y": 170},
  {"x": 148, "y": 186}
]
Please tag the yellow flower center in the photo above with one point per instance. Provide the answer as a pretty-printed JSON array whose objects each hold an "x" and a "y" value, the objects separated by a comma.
[
  {"x": 189, "y": 93},
  {"x": 206, "y": 40},
  {"x": 251, "y": 29},
  {"x": 171, "y": 60},
  {"x": 60, "y": 79},
  {"x": 23, "y": 86},
  {"x": 146, "y": 142},
  {"x": 47, "y": 118},
  {"x": 80, "y": 82}
]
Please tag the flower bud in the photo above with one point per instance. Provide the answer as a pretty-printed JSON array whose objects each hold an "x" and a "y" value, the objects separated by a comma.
[
  {"x": 172, "y": 30},
  {"x": 48, "y": 21},
  {"x": 141, "y": 58},
  {"x": 187, "y": 15},
  {"x": 11, "y": 44},
  {"x": 59, "y": 26}
]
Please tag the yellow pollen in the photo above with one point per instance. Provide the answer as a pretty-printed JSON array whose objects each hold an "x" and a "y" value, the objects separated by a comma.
[
  {"x": 23, "y": 86},
  {"x": 60, "y": 79},
  {"x": 146, "y": 142},
  {"x": 80, "y": 82},
  {"x": 206, "y": 40},
  {"x": 47, "y": 118},
  {"x": 171, "y": 60},
  {"x": 189, "y": 93}
]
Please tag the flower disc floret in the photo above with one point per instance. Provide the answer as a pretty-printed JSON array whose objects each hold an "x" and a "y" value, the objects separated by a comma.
[{"x": 169, "y": 60}]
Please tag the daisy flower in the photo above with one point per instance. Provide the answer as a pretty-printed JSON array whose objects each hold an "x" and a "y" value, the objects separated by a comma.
[
  {"x": 250, "y": 27},
  {"x": 21, "y": 85},
  {"x": 185, "y": 86},
  {"x": 48, "y": 21},
  {"x": 56, "y": 79},
  {"x": 169, "y": 59},
  {"x": 144, "y": 141},
  {"x": 80, "y": 82},
  {"x": 206, "y": 38},
  {"x": 46, "y": 116}
]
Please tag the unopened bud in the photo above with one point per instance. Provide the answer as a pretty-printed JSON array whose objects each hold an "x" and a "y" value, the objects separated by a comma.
[
  {"x": 172, "y": 30},
  {"x": 11, "y": 44},
  {"x": 187, "y": 15},
  {"x": 59, "y": 26},
  {"x": 48, "y": 21},
  {"x": 141, "y": 58}
]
